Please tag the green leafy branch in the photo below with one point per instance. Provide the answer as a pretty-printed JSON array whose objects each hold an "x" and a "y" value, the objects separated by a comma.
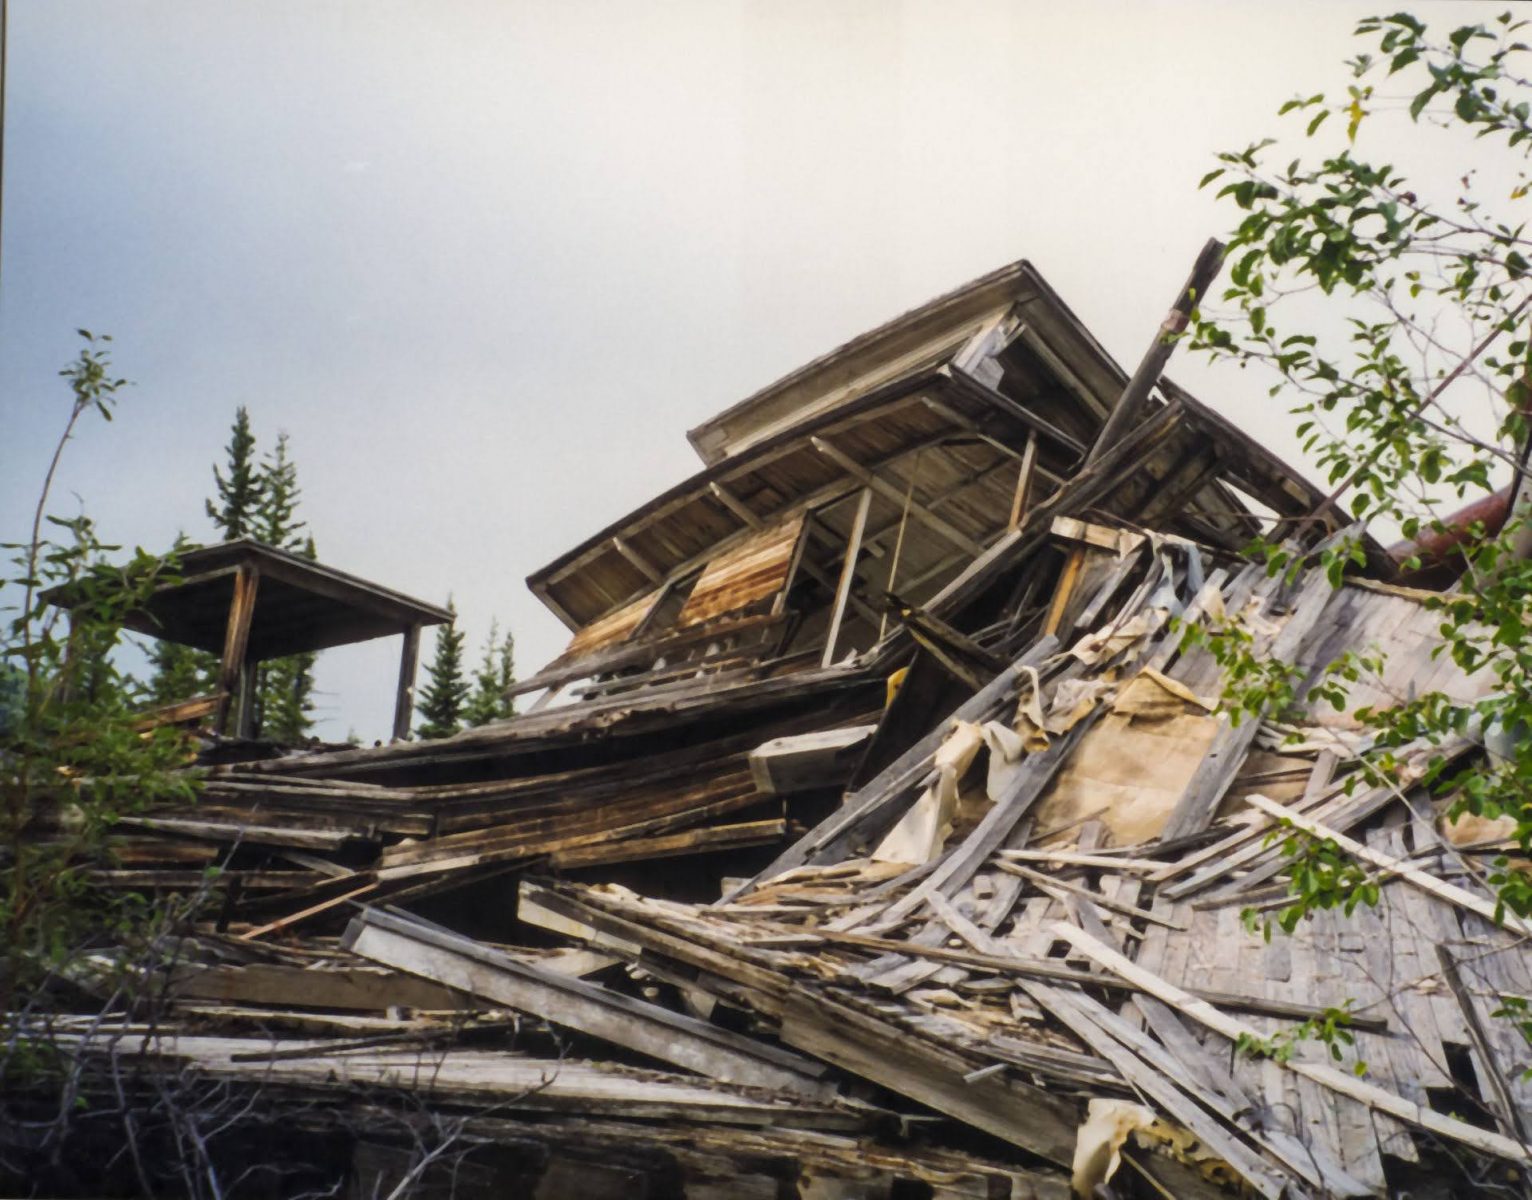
[{"x": 1330, "y": 1028}]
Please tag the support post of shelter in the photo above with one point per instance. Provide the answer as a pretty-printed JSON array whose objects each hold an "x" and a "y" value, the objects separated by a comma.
[
  {"x": 847, "y": 574},
  {"x": 232, "y": 673},
  {"x": 244, "y": 702},
  {"x": 404, "y": 700}
]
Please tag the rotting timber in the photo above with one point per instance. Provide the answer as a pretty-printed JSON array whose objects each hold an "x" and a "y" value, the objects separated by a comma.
[{"x": 876, "y": 835}]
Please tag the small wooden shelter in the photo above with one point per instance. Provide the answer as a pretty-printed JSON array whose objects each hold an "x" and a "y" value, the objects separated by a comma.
[{"x": 248, "y": 602}]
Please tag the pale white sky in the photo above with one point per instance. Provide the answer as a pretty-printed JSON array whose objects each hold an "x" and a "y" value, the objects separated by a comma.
[{"x": 486, "y": 262}]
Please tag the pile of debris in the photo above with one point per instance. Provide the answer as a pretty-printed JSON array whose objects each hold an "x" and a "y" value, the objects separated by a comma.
[{"x": 960, "y": 855}]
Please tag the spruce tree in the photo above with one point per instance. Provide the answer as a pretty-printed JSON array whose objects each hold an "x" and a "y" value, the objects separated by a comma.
[
  {"x": 284, "y": 697},
  {"x": 180, "y": 672},
  {"x": 442, "y": 699},
  {"x": 234, "y": 509},
  {"x": 497, "y": 672},
  {"x": 276, "y": 513}
]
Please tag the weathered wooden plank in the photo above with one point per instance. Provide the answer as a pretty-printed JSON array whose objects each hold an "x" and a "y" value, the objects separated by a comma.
[
  {"x": 804, "y": 761},
  {"x": 404, "y": 695},
  {"x": 1321, "y": 1073},
  {"x": 751, "y": 570},
  {"x": 891, "y": 1055},
  {"x": 1423, "y": 880},
  {"x": 1194, "y": 811},
  {"x": 471, "y": 967},
  {"x": 496, "y": 1078},
  {"x": 693, "y": 841},
  {"x": 847, "y": 575},
  {"x": 1130, "y": 910},
  {"x": 359, "y": 988},
  {"x": 895, "y": 783},
  {"x": 258, "y": 835}
]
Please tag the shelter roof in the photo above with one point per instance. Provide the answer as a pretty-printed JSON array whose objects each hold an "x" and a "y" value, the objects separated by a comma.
[{"x": 301, "y": 605}]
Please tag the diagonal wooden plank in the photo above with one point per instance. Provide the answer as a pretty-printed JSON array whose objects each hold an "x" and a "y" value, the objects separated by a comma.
[
  {"x": 469, "y": 966},
  {"x": 889, "y": 492},
  {"x": 1327, "y": 1076},
  {"x": 1194, "y": 811}
]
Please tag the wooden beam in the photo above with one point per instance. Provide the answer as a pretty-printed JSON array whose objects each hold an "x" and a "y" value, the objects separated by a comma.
[
  {"x": 735, "y": 505},
  {"x": 244, "y": 700},
  {"x": 1424, "y": 880},
  {"x": 464, "y": 965},
  {"x": 977, "y": 389},
  {"x": 1065, "y": 588},
  {"x": 804, "y": 761},
  {"x": 1130, "y": 405},
  {"x": 888, "y": 491},
  {"x": 236, "y": 638},
  {"x": 404, "y": 696},
  {"x": 847, "y": 573},
  {"x": 180, "y": 713},
  {"x": 1321, "y": 1073},
  {"x": 645, "y": 567},
  {"x": 1024, "y": 475},
  {"x": 888, "y": 1053},
  {"x": 292, "y": 919}
]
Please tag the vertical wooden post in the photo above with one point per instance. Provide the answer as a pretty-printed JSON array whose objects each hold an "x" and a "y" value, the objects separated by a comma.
[
  {"x": 404, "y": 699},
  {"x": 236, "y": 641},
  {"x": 847, "y": 574},
  {"x": 1064, "y": 589},
  {"x": 1020, "y": 501},
  {"x": 244, "y": 704}
]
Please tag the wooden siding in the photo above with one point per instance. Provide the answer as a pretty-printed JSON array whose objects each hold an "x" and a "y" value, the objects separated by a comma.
[
  {"x": 754, "y": 569},
  {"x": 612, "y": 628}
]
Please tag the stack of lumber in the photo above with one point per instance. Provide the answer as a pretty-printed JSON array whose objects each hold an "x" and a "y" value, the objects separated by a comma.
[{"x": 278, "y": 847}]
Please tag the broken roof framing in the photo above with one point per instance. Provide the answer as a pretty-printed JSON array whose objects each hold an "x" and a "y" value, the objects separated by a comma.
[{"x": 942, "y": 429}]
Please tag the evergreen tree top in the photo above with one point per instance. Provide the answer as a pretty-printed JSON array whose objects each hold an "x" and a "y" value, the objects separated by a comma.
[
  {"x": 239, "y": 493},
  {"x": 446, "y": 692},
  {"x": 276, "y": 515},
  {"x": 494, "y": 677}
]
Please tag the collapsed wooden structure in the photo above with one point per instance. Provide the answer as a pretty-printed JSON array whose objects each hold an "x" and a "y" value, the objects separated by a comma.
[{"x": 878, "y": 834}]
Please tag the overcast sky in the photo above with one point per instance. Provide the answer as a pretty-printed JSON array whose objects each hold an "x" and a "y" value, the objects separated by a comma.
[{"x": 487, "y": 262}]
